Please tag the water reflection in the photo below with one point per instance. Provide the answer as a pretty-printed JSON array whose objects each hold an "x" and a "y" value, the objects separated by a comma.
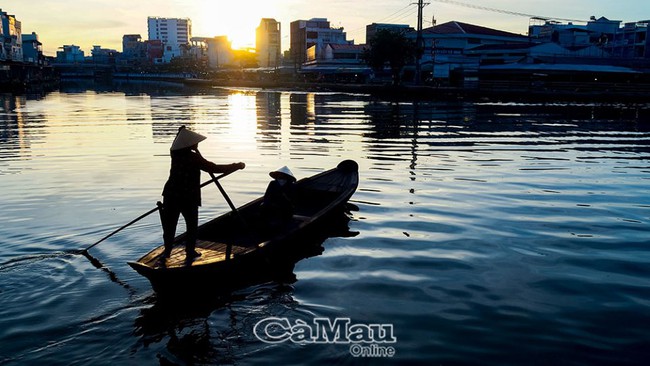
[
  {"x": 186, "y": 324},
  {"x": 15, "y": 138}
]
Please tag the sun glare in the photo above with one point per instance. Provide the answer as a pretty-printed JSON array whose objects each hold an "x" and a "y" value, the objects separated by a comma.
[{"x": 238, "y": 20}]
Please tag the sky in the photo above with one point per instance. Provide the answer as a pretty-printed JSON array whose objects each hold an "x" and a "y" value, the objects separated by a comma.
[{"x": 103, "y": 22}]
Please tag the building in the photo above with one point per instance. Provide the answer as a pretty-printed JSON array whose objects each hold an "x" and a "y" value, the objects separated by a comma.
[
  {"x": 154, "y": 51},
  {"x": 218, "y": 51},
  {"x": 199, "y": 50},
  {"x": 314, "y": 32},
  {"x": 174, "y": 33},
  {"x": 345, "y": 53},
  {"x": 632, "y": 41},
  {"x": 339, "y": 63},
  {"x": 446, "y": 46},
  {"x": 32, "y": 49},
  {"x": 103, "y": 56},
  {"x": 372, "y": 29},
  {"x": 12, "y": 44},
  {"x": 134, "y": 50},
  {"x": 268, "y": 43},
  {"x": 595, "y": 32},
  {"x": 70, "y": 54},
  {"x": 627, "y": 44}
]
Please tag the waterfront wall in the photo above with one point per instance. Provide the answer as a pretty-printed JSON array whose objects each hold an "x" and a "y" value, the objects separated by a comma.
[{"x": 20, "y": 76}]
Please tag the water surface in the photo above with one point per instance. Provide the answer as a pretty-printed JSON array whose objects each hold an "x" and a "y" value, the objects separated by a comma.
[{"x": 488, "y": 232}]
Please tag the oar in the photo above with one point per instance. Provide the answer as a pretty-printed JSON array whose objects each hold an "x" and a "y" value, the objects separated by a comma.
[
  {"x": 232, "y": 207},
  {"x": 122, "y": 228},
  {"x": 158, "y": 207},
  {"x": 229, "y": 201},
  {"x": 225, "y": 195},
  {"x": 223, "y": 191}
]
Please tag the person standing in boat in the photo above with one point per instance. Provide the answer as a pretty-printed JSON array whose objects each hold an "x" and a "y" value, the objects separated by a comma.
[{"x": 182, "y": 191}]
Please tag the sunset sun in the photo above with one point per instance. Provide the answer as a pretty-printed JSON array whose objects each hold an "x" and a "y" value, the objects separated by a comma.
[{"x": 238, "y": 21}]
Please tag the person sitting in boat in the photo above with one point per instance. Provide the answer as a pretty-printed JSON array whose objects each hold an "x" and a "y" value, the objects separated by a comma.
[
  {"x": 276, "y": 205},
  {"x": 182, "y": 191}
]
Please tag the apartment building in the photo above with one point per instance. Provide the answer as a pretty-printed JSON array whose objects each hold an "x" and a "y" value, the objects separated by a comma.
[
  {"x": 174, "y": 33},
  {"x": 32, "y": 49},
  {"x": 11, "y": 41},
  {"x": 268, "y": 43},
  {"x": 314, "y": 32},
  {"x": 632, "y": 41}
]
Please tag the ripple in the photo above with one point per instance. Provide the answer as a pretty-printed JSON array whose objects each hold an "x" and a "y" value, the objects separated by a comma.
[
  {"x": 392, "y": 253},
  {"x": 481, "y": 226}
]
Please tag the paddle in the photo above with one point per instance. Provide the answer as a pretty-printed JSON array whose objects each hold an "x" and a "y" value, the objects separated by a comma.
[
  {"x": 122, "y": 228},
  {"x": 158, "y": 207},
  {"x": 229, "y": 201}
]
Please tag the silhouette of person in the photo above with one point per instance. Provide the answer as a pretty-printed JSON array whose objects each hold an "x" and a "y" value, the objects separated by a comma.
[
  {"x": 276, "y": 205},
  {"x": 182, "y": 191}
]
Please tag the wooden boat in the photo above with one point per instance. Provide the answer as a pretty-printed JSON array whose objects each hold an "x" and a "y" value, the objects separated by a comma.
[{"x": 239, "y": 245}]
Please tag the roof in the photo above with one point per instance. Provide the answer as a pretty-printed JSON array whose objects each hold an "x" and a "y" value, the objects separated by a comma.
[
  {"x": 347, "y": 47},
  {"x": 507, "y": 46},
  {"x": 561, "y": 67},
  {"x": 455, "y": 27}
]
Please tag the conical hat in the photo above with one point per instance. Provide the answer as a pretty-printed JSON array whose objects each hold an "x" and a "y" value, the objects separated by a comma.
[
  {"x": 283, "y": 172},
  {"x": 186, "y": 138}
]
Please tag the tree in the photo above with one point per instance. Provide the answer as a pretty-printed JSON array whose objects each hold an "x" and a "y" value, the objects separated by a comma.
[
  {"x": 389, "y": 48},
  {"x": 246, "y": 58}
]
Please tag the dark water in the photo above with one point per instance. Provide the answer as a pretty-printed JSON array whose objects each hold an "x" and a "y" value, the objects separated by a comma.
[{"x": 488, "y": 233}]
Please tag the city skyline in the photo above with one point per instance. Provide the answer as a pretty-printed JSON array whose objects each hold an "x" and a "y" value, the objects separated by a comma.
[{"x": 102, "y": 22}]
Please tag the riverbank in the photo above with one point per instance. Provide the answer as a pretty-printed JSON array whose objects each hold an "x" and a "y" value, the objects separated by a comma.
[
  {"x": 494, "y": 91},
  {"x": 19, "y": 78}
]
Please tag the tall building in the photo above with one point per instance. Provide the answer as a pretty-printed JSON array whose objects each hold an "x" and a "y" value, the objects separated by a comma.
[
  {"x": 314, "y": 32},
  {"x": 174, "y": 33},
  {"x": 267, "y": 43},
  {"x": 11, "y": 41}
]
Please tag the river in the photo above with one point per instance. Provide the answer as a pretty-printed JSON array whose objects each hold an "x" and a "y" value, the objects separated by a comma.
[{"x": 486, "y": 232}]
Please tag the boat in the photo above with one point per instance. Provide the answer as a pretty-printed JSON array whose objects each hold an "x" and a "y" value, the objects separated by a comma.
[{"x": 240, "y": 245}]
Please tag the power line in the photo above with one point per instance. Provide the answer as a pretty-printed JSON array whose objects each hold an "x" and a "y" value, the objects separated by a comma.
[
  {"x": 399, "y": 11},
  {"x": 405, "y": 16},
  {"x": 502, "y": 11},
  {"x": 403, "y": 13}
]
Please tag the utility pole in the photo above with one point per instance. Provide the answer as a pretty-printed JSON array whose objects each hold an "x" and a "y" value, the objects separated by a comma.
[{"x": 419, "y": 44}]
